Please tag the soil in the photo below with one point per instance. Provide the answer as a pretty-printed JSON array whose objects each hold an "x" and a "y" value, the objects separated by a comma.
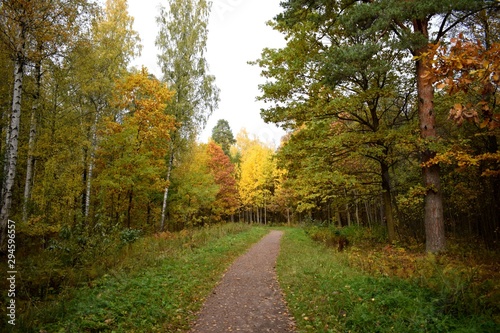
[{"x": 248, "y": 298}]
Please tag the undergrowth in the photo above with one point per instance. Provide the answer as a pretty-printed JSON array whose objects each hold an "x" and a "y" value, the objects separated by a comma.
[
  {"x": 331, "y": 291},
  {"x": 156, "y": 285}
]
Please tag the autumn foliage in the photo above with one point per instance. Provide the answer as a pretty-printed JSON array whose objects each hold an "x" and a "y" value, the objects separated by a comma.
[
  {"x": 224, "y": 173},
  {"x": 469, "y": 70}
]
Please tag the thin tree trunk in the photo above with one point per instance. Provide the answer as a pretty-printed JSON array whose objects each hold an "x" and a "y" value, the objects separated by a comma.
[
  {"x": 368, "y": 214},
  {"x": 129, "y": 208},
  {"x": 337, "y": 216},
  {"x": 357, "y": 212},
  {"x": 348, "y": 215},
  {"x": 265, "y": 213},
  {"x": 12, "y": 147},
  {"x": 30, "y": 165},
  {"x": 434, "y": 219},
  {"x": 165, "y": 194},
  {"x": 93, "y": 147},
  {"x": 387, "y": 202}
]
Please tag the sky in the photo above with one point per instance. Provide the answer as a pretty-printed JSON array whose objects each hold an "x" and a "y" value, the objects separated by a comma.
[{"x": 237, "y": 34}]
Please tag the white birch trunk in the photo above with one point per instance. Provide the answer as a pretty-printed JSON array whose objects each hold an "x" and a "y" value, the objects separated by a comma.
[
  {"x": 165, "y": 195},
  {"x": 93, "y": 147},
  {"x": 12, "y": 147}
]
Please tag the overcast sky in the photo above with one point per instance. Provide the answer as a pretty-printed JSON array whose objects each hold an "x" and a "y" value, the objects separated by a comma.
[{"x": 237, "y": 34}]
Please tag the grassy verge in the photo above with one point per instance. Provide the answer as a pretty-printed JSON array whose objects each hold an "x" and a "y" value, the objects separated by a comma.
[
  {"x": 326, "y": 293},
  {"x": 158, "y": 287}
]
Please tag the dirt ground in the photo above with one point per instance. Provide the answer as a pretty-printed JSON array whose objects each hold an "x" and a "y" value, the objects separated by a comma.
[{"x": 248, "y": 298}]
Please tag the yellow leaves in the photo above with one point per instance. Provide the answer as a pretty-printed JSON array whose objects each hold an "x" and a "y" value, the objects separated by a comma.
[
  {"x": 141, "y": 91},
  {"x": 145, "y": 99},
  {"x": 486, "y": 64},
  {"x": 466, "y": 160},
  {"x": 257, "y": 171}
]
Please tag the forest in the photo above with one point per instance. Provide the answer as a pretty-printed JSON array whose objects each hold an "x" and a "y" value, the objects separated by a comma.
[{"x": 390, "y": 108}]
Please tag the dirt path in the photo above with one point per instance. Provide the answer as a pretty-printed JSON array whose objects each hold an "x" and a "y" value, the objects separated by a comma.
[{"x": 248, "y": 298}]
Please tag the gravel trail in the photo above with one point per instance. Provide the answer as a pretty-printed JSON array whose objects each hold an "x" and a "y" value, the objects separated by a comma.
[{"x": 248, "y": 298}]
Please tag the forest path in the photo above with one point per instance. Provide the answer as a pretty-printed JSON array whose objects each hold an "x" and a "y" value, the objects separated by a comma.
[{"x": 248, "y": 298}]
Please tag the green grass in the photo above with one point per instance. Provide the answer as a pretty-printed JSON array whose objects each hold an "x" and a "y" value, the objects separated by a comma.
[
  {"x": 326, "y": 294},
  {"x": 158, "y": 288}
]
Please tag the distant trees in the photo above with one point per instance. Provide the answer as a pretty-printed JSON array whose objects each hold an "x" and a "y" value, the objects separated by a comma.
[{"x": 256, "y": 183}]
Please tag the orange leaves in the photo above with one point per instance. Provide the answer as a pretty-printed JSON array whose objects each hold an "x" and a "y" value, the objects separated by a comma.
[
  {"x": 223, "y": 171},
  {"x": 459, "y": 113},
  {"x": 469, "y": 68}
]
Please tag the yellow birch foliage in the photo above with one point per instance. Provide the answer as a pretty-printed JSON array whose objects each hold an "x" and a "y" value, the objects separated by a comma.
[{"x": 257, "y": 170}]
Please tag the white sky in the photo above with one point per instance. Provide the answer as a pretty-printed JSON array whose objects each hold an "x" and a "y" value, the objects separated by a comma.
[{"x": 237, "y": 34}]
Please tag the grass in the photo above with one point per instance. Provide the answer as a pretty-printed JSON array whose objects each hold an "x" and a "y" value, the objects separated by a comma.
[
  {"x": 158, "y": 287},
  {"x": 328, "y": 291},
  {"x": 157, "y": 284}
]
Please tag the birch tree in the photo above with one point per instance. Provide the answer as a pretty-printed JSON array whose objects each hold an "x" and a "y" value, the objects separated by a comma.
[
  {"x": 98, "y": 63},
  {"x": 182, "y": 43},
  {"x": 29, "y": 31}
]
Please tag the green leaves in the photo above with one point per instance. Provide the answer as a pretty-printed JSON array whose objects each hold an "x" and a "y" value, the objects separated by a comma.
[
  {"x": 223, "y": 135},
  {"x": 182, "y": 42}
]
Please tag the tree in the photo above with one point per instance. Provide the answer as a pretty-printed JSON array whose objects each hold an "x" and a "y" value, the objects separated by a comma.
[
  {"x": 47, "y": 25},
  {"x": 113, "y": 44},
  {"x": 467, "y": 73},
  {"x": 194, "y": 191},
  {"x": 132, "y": 151},
  {"x": 256, "y": 181},
  {"x": 396, "y": 25},
  {"x": 223, "y": 135},
  {"x": 223, "y": 171},
  {"x": 345, "y": 94},
  {"x": 182, "y": 42}
]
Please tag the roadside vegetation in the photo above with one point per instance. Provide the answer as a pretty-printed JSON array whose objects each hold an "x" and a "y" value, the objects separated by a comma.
[
  {"x": 154, "y": 285},
  {"x": 158, "y": 283},
  {"x": 371, "y": 287}
]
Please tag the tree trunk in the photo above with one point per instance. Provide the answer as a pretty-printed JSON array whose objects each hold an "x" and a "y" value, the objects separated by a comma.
[
  {"x": 165, "y": 194},
  {"x": 129, "y": 208},
  {"x": 12, "y": 147},
  {"x": 93, "y": 147},
  {"x": 337, "y": 216},
  {"x": 358, "y": 223},
  {"x": 387, "y": 201},
  {"x": 265, "y": 214},
  {"x": 368, "y": 214},
  {"x": 434, "y": 219},
  {"x": 30, "y": 165}
]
